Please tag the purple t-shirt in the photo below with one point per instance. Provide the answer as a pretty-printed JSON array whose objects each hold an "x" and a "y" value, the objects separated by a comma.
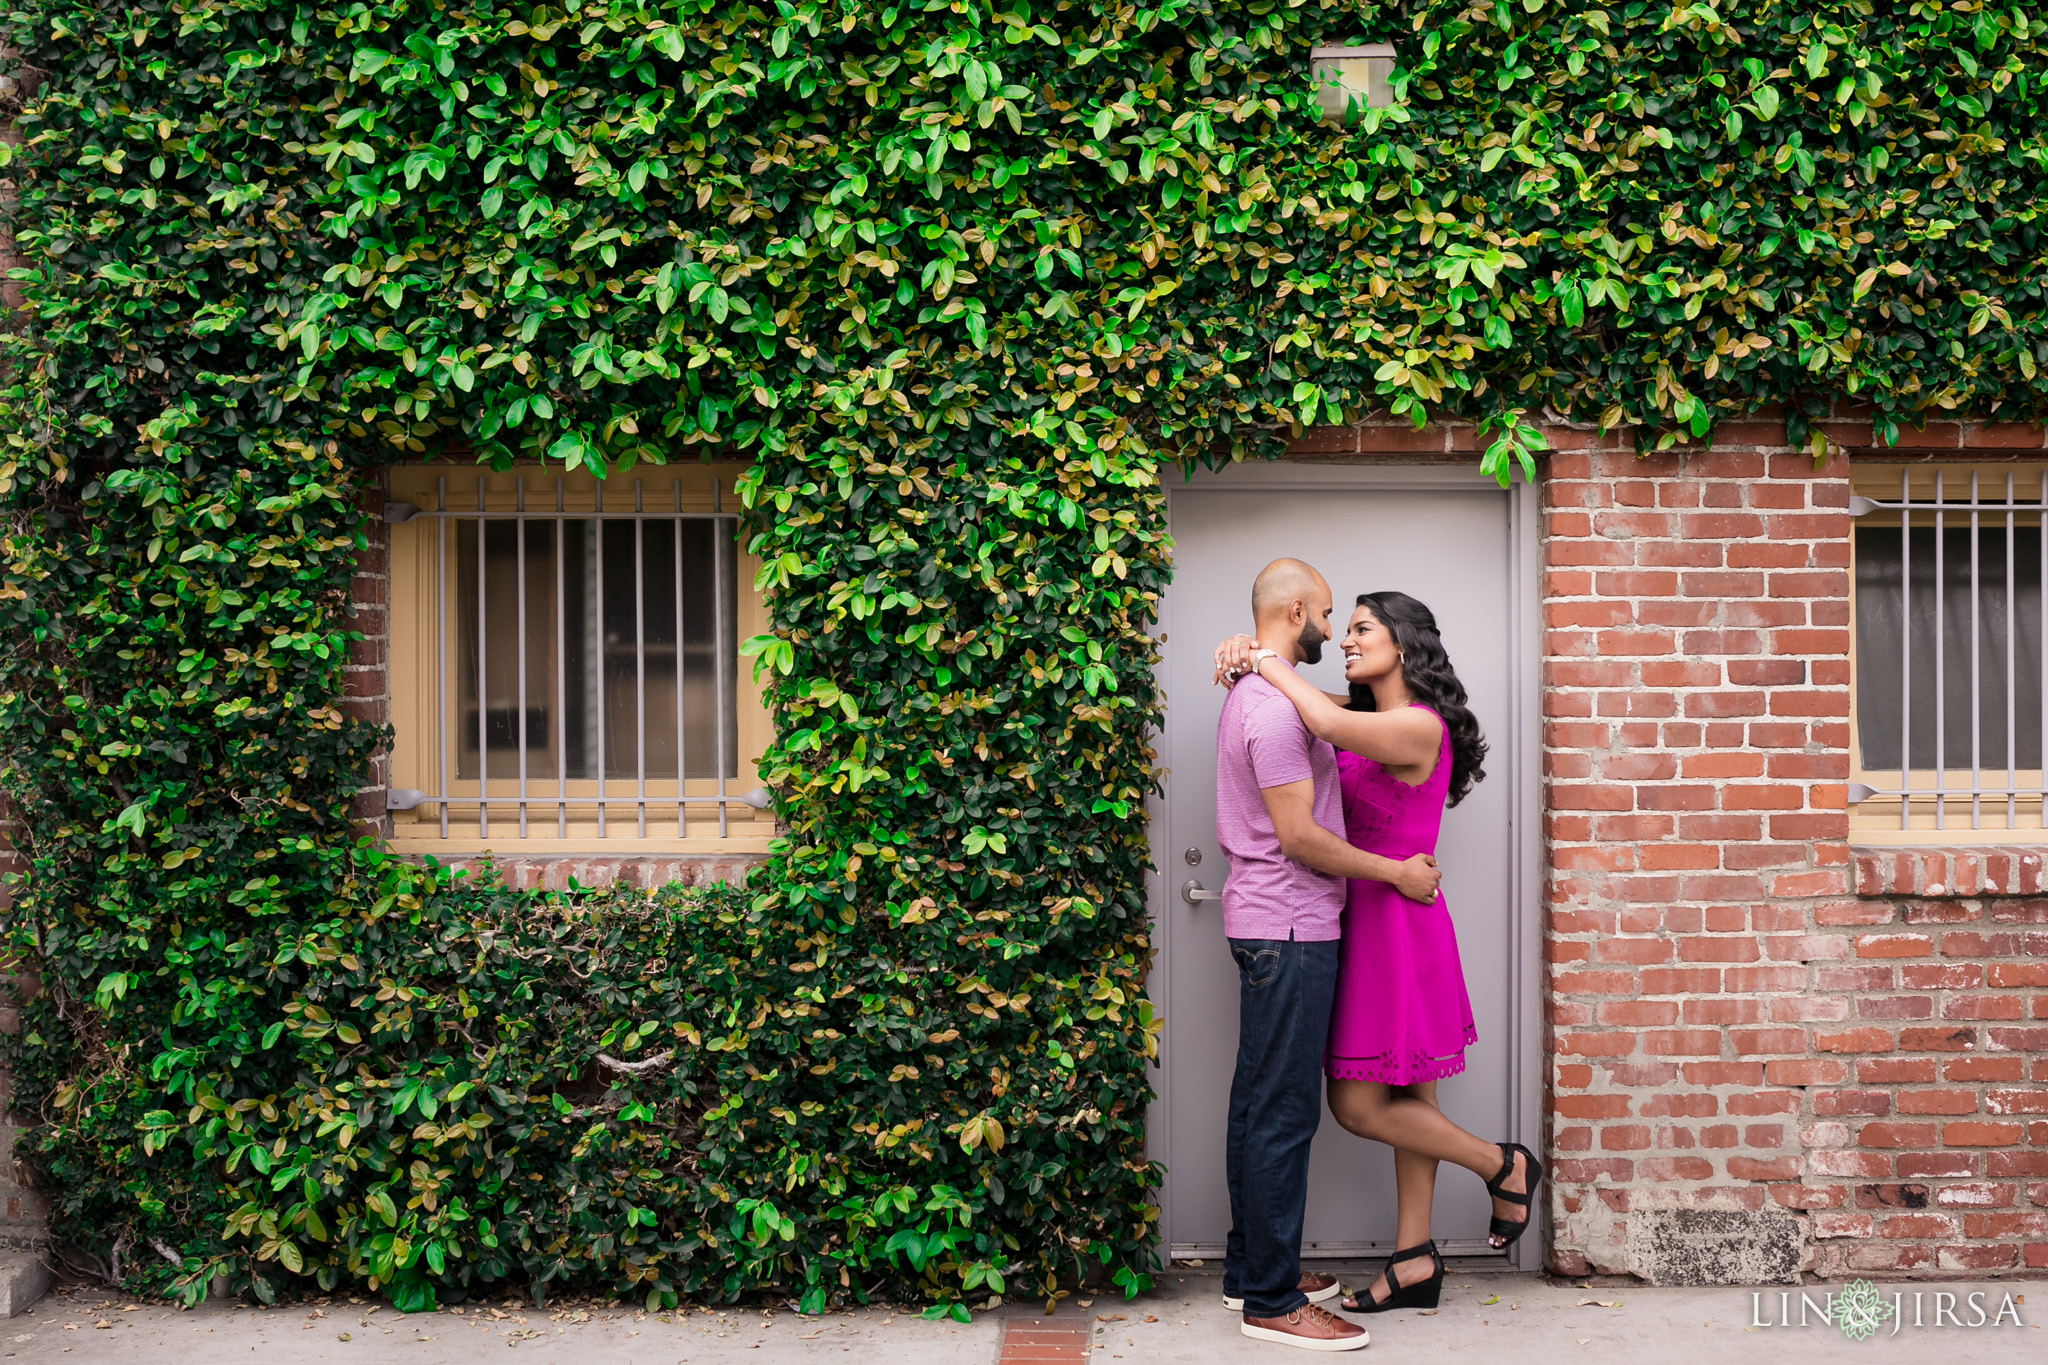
[{"x": 1262, "y": 742}]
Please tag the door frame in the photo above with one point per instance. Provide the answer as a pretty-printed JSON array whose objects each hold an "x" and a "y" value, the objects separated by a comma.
[{"x": 1520, "y": 751}]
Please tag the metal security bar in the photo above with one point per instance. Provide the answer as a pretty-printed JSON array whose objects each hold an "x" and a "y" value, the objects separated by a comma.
[
  {"x": 1995, "y": 636},
  {"x": 577, "y": 693}
]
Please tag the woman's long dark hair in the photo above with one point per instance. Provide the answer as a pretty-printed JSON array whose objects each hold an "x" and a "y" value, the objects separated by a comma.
[{"x": 1431, "y": 680}]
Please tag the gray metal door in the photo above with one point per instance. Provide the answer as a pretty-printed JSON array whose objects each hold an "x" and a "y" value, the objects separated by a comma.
[{"x": 1458, "y": 542}]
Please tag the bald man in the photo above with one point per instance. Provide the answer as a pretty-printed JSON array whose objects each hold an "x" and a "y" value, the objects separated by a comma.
[{"x": 1280, "y": 821}]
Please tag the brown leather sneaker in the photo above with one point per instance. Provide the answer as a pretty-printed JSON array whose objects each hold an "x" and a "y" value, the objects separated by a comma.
[
  {"x": 1310, "y": 1327},
  {"x": 1318, "y": 1288}
]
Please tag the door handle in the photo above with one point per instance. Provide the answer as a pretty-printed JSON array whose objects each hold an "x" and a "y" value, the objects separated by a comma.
[{"x": 1193, "y": 893}]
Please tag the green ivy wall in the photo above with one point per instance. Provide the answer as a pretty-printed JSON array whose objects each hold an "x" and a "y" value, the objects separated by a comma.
[{"x": 961, "y": 280}]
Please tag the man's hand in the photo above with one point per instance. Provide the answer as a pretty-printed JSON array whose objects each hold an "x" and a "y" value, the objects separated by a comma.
[{"x": 1417, "y": 878}]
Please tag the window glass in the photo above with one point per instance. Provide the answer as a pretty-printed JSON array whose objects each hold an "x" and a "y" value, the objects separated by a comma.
[
  {"x": 1898, "y": 627},
  {"x": 595, "y": 618}
]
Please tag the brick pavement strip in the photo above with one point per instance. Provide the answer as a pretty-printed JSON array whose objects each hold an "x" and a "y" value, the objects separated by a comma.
[{"x": 1033, "y": 1337}]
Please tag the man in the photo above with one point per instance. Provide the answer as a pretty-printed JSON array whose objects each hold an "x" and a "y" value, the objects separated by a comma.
[{"x": 1279, "y": 819}]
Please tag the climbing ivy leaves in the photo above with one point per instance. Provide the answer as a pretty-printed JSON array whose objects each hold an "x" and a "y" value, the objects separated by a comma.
[{"x": 965, "y": 281}]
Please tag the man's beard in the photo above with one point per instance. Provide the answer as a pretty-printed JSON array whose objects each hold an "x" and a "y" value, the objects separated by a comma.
[{"x": 1311, "y": 642}]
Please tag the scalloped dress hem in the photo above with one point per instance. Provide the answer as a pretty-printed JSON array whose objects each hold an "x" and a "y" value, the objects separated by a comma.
[{"x": 1417, "y": 1071}]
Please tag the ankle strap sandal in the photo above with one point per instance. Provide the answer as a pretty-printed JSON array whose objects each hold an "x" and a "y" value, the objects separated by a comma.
[
  {"x": 1507, "y": 1233},
  {"x": 1419, "y": 1294}
]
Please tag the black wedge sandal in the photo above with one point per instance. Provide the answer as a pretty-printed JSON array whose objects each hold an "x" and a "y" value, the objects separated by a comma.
[
  {"x": 1421, "y": 1294},
  {"x": 1508, "y": 1232}
]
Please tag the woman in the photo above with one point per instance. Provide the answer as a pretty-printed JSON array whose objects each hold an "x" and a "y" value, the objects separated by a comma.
[{"x": 1407, "y": 746}]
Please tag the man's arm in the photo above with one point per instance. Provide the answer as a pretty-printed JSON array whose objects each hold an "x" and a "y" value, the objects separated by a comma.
[{"x": 1292, "y": 808}]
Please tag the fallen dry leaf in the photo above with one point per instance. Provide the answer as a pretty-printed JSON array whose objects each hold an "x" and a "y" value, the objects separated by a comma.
[
  {"x": 1599, "y": 1303},
  {"x": 103, "y": 1323},
  {"x": 1583, "y": 1340},
  {"x": 342, "y": 1337},
  {"x": 1426, "y": 1312},
  {"x": 809, "y": 1336},
  {"x": 1150, "y": 1318}
]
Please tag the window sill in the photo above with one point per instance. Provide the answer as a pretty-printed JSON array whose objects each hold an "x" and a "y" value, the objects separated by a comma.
[
  {"x": 1950, "y": 871},
  {"x": 506, "y": 849}
]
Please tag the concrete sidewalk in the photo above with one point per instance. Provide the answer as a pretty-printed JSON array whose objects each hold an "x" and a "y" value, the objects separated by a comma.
[
  {"x": 90, "y": 1326},
  {"x": 1526, "y": 1320},
  {"x": 1510, "y": 1318}
]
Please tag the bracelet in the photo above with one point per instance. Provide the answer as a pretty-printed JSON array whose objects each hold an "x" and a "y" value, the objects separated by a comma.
[{"x": 1260, "y": 656}]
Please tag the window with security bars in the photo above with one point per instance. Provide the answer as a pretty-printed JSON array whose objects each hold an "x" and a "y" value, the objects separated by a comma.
[
  {"x": 1951, "y": 647},
  {"x": 565, "y": 665}
]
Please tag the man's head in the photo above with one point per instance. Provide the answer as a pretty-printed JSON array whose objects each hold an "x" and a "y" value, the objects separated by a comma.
[{"x": 1291, "y": 607}]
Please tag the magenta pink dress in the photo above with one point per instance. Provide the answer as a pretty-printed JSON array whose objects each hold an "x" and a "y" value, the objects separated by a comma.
[{"x": 1402, "y": 1015}]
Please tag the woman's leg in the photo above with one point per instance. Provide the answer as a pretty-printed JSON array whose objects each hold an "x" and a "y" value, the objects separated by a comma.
[
  {"x": 1415, "y": 1190},
  {"x": 1415, "y": 1195},
  {"x": 1402, "y": 1119}
]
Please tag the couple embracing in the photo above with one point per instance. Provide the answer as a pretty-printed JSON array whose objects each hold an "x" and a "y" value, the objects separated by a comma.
[{"x": 1328, "y": 809}]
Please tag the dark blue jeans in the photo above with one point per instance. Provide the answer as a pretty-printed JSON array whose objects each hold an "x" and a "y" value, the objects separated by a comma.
[{"x": 1284, "y": 992}]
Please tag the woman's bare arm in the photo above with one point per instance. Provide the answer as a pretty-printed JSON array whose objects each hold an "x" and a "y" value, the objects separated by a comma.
[
  {"x": 1233, "y": 658},
  {"x": 1405, "y": 738},
  {"x": 1397, "y": 739}
]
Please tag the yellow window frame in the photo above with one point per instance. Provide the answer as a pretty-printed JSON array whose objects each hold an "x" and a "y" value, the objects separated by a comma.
[
  {"x": 420, "y": 705},
  {"x": 1952, "y": 815}
]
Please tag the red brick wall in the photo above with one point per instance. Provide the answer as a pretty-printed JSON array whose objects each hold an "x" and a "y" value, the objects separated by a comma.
[
  {"x": 1738, "y": 1023},
  {"x": 642, "y": 870}
]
